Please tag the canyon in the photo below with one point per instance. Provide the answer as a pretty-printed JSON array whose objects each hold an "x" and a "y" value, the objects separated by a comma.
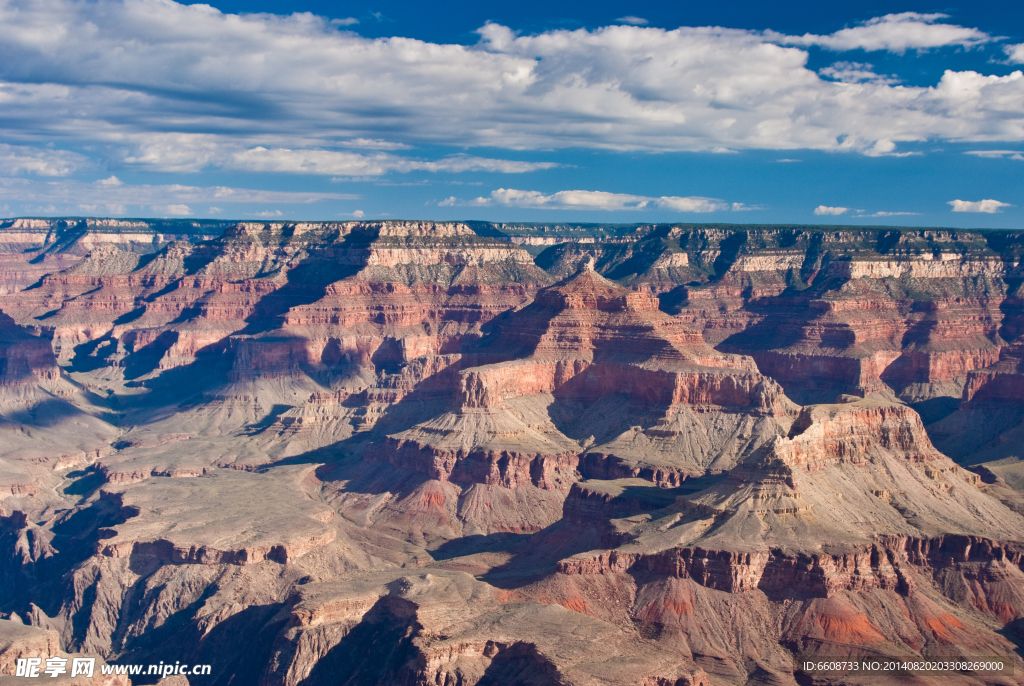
[{"x": 469, "y": 453}]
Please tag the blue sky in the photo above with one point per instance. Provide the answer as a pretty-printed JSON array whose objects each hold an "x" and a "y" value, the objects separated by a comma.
[{"x": 872, "y": 113}]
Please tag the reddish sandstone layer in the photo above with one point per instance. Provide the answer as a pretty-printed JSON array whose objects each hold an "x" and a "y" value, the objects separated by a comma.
[
  {"x": 865, "y": 345},
  {"x": 505, "y": 468},
  {"x": 888, "y": 564},
  {"x": 829, "y": 434},
  {"x": 1002, "y": 382},
  {"x": 490, "y": 386}
]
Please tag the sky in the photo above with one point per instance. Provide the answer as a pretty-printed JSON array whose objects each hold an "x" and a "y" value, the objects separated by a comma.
[{"x": 906, "y": 114}]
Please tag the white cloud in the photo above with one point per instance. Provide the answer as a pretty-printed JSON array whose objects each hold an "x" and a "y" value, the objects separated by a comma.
[
  {"x": 895, "y": 33},
  {"x": 358, "y": 214},
  {"x": 185, "y": 87},
  {"x": 309, "y": 162},
  {"x": 695, "y": 204},
  {"x": 601, "y": 200},
  {"x": 108, "y": 209},
  {"x": 448, "y": 202},
  {"x": 998, "y": 154},
  {"x": 21, "y": 159},
  {"x": 214, "y": 210},
  {"x": 856, "y": 72},
  {"x": 195, "y": 152},
  {"x": 632, "y": 20},
  {"x": 1014, "y": 53},
  {"x": 460, "y": 163},
  {"x": 174, "y": 209},
  {"x": 826, "y": 210},
  {"x": 888, "y": 214},
  {"x": 110, "y": 181},
  {"x": 246, "y": 195},
  {"x": 988, "y": 206},
  {"x": 347, "y": 21},
  {"x": 788, "y": 159},
  {"x": 375, "y": 144},
  {"x": 267, "y": 213},
  {"x": 165, "y": 199},
  {"x": 176, "y": 152},
  {"x": 886, "y": 148}
]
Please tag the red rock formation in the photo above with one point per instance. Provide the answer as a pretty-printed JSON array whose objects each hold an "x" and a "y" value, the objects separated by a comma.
[
  {"x": 587, "y": 338},
  {"x": 24, "y": 359},
  {"x": 1002, "y": 381}
]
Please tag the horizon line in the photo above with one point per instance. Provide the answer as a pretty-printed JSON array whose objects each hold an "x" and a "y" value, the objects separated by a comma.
[{"x": 285, "y": 221}]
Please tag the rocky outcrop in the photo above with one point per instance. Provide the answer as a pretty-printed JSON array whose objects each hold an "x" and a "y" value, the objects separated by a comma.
[
  {"x": 1002, "y": 381},
  {"x": 603, "y": 499},
  {"x": 189, "y": 521},
  {"x": 499, "y": 468},
  {"x": 487, "y": 387},
  {"x": 443, "y": 625},
  {"x": 829, "y": 434},
  {"x": 891, "y": 564},
  {"x": 24, "y": 358}
]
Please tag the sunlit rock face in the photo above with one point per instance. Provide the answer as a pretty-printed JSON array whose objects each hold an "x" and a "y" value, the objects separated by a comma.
[{"x": 466, "y": 453}]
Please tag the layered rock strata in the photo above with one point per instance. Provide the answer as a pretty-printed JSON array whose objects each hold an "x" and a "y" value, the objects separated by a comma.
[{"x": 584, "y": 339}]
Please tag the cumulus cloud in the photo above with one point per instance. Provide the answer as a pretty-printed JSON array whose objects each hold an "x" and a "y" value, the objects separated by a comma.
[
  {"x": 632, "y": 20},
  {"x": 988, "y": 206},
  {"x": 23, "y": 159},
  {"x": 185, "y": 87},
  {"x": 826, "y": 210},
  {"x": 895, "y": 33},
  {"x": 602, "y": 200}
]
